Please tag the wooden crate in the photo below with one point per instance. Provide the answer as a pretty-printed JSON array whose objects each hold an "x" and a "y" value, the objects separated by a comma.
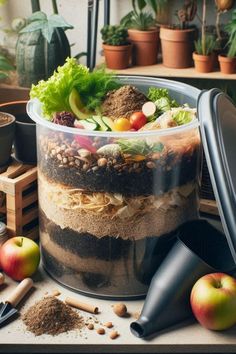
[
  {"x": 19, "y": 183},
  {"x": 208, "y": 206}
]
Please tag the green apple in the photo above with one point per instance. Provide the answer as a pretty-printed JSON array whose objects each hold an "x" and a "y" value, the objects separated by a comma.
[{"x": 213, "y": 301}]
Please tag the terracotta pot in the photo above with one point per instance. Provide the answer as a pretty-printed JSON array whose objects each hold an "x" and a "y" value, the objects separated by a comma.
[
  {"x": 7, "y": 130},
  {"x": 177, "y": 47},
  {"x": 227, "y": 65},
  {"x": 145, "y": 46},
  {"x": 117, "y": 57},
  {"x": 25, "y": 132},
  {"x": 203, "y": 63}
]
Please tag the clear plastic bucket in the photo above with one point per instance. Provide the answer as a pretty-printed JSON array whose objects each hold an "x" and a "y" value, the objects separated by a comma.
[{"x": 110, "y": 202}]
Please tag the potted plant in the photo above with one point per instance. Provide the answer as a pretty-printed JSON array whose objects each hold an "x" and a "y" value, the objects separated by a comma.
[
  {"x": 222, "y": 7},
  {"x": 228, "y": 61},
  {"x": 177, "y": 42},
  {"x": 41, "y": 47},
  {"x": 204, "y": 47},
  {"x": 25, "y": 131},
  {"x": 117, "y": 49},
  {"x": 143, "y": 34}
]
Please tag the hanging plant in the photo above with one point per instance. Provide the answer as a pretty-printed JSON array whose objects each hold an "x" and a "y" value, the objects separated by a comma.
[{"x": 41, "y": 47}]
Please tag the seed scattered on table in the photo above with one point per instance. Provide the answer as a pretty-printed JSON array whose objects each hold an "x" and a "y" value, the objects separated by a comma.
[
  {"x": 90, "y": 326},
  {"x": 114, "y": 335},
  {"x": 120, "y": 309},
  {"x": 100, "y": 330},
  {"x": 108, "y": 324}
]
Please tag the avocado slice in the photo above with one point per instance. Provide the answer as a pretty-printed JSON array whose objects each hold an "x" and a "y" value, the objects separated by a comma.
[
  {"x": 77, "y": 106},
  {"x": 109, "y": 123}
]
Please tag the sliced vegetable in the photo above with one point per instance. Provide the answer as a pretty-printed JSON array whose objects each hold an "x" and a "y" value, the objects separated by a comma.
[
  {"x": 122, "y": 124},
  {"x": 86, "y": 142},
  {"x": 77, "y": 106},
  {"x": 88, "y": 125},
  {"x": 103, "y": 127},
  {"x": 149, "y": 108},
  {"x": 138, "y": 120},
  {"x": 109, "y": 123}
]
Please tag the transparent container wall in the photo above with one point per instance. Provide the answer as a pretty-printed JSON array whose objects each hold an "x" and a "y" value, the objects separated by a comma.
[{"x": 110, "y": 205}]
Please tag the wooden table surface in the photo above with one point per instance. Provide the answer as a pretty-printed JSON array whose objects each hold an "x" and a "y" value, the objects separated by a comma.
[{"x": 188, "y": 338}]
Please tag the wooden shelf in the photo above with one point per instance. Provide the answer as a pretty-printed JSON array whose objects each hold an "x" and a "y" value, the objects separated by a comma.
[{"x": 160, "y": 70}]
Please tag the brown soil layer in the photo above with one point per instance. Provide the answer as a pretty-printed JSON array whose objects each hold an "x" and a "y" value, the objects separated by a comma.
[{"x": 123, "y": 102}]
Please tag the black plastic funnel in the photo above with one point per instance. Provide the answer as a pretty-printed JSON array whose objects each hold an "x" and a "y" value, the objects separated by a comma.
[{"x": 200, "y": 249}]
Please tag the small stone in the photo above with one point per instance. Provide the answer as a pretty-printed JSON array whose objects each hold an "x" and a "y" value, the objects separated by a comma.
[
  {"x": 114, "y": 335},
  {"x": 100, "y": 330},
  {"x": 102, "y": 162},
  {"x": 109, "y": 150},
  {"x": 59, "y": 157},
  {"x": 77, "y": 162},
  {"x": 91, "y": 326},
  {"x": 64, "y": 160},
  {"x": 108, "y": 324},
  {"x": 53, "y": 152},
  {"x": 85, "y": 167},
  {"x": 150, "y": 164},
  {"x": 84, "y": 153},
  {"x": 120, "y": 309}
]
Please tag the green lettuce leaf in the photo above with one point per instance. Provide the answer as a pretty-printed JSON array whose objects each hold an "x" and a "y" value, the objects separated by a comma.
[
  {"x": 54, "y": 93},
  {"x": 183, "y": 117}
]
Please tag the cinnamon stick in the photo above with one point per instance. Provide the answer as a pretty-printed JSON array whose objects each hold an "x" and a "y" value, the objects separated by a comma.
[
  {"x": 81, "y": 305},
  {"x": 2, "y": 278}
]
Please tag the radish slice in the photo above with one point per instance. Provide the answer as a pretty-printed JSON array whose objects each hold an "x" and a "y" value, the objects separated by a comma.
[{"x": 149, "y": 108}]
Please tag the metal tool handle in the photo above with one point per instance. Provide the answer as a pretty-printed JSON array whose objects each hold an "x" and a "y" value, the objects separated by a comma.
[{"x": 20, "y": 291}]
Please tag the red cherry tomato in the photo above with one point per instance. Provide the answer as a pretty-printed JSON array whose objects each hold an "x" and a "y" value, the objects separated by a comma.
[{"x": 138, "y": 120}]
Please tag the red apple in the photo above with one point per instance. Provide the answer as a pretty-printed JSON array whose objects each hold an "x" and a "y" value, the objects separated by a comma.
[
  {"x": 213, "y": 301},
  {"x": 19, "y": 257}
]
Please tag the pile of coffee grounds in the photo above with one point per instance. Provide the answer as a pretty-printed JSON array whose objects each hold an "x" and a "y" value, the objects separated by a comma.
[
  {"x": 123, "y": 102},
  {"x": 51, "y": 316}
]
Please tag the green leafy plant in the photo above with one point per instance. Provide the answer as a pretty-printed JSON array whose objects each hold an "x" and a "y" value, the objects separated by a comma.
[
  {"x": 5, "y": 67},
  {"x": 206, "y": 47},
  {"x": 206, "y": 44},
  {"x": 231, "y": 30},
  {"x": 39, "y": 21},
  {"x": 137, "y": 18},
  {"x": 114, "y": 35},
  {"x": 92, "y": 87}
]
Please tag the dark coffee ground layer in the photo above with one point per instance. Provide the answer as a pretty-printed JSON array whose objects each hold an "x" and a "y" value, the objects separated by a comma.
[
  {"x": 121, "y": 269},
  {"x": 96, "y": 284},
  {"x": 106, "y": 248},
  {"x": 144, "y": 181}
]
